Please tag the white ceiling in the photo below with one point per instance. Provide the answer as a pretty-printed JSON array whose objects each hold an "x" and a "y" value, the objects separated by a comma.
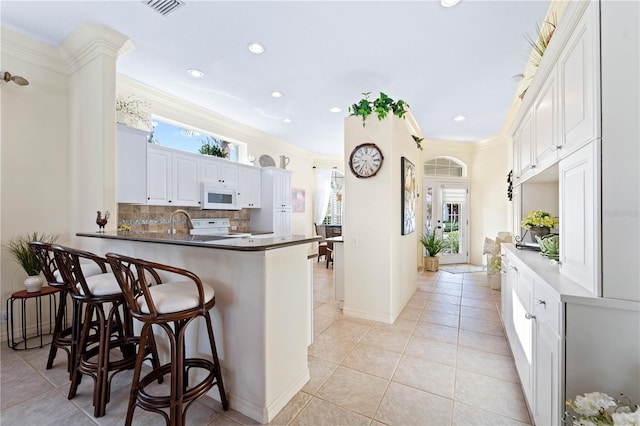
[{"x": 444, "y": 62}]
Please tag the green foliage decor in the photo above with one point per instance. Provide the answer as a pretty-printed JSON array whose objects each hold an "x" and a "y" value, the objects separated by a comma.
[
  {"x": 20, "y": 251},
  {"x": 432, "y": 243},
  {"x": 539, "y": 218},
  {"x": 381, "y": 106},
  {"x": 213, "y": 146}
]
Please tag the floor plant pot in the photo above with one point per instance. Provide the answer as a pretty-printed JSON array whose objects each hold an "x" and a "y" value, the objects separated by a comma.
[
  {"x": 431, "y": 263},
  {"x": 33, "y": 284}
]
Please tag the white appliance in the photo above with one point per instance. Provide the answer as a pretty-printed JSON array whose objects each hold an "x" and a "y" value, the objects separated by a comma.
[
  {"x": 217, "y": 198},
  {"x": 215, "y": 227}
]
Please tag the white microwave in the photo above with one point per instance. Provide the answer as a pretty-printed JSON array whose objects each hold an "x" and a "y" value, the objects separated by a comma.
[{"x": 217, "y": 198}]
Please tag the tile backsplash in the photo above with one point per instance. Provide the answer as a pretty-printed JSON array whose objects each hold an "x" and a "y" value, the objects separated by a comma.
[{"x": 156, "y": 218}]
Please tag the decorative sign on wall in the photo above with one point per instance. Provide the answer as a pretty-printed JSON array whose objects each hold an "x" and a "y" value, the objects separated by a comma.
[
  {"x": 408, "y": 196},
  {"x": 297, "y": 200}
]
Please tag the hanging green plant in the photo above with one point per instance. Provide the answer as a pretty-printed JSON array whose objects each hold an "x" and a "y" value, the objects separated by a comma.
[
  {"x": 418, "y": 141},
  {"x": 381, "y": 106}
]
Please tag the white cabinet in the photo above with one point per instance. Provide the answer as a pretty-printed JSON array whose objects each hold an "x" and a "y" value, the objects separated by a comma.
[
  {"x": 158, "y": 176},
  {"x": 131, "y": 171},
  {"x": 275, "y": 212},
  {"x": 523, "y": 149},
  {"x": 547, "y": 345},
  {"x": 185, "y": 180},
  {"x": 579, "y": 66},
  {"x": 250, "y": 187},
  {"x": 545, "y": 117},
  {"x": 522, "y": 343},
  {"x": 223, "y": 172},
  {"x": 579, "y": 205},
  {"x": 172, "y": 178}
]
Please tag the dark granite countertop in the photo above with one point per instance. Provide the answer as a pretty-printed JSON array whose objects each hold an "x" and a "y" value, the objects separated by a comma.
[{"x": 260, "y": 242}]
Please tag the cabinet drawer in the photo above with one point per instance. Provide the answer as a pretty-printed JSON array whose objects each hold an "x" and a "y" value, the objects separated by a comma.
[{"x": 546, "y": 307}]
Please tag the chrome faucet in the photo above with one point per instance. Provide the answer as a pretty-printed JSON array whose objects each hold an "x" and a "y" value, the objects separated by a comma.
[{"x": 189, "y": 222}]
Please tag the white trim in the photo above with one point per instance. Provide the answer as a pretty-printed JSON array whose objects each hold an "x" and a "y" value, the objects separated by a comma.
[{"x": 356, "y": 313}]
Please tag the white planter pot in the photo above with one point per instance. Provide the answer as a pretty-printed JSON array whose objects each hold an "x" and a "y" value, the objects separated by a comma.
[{"x": 33, "y": 284}]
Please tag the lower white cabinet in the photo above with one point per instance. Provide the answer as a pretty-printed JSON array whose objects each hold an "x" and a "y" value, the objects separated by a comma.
[{"x": 565, "y": 340}]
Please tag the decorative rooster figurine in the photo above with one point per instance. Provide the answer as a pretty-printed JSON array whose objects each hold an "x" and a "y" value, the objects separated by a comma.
[{"x": 102, "y": 221}]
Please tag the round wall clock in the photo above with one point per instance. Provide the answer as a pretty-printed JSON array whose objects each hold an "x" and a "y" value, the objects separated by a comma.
[{"x": 365, "y": 160}]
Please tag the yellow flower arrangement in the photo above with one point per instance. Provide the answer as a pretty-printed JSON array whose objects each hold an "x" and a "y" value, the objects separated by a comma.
[{"x": 539, "y": 218}]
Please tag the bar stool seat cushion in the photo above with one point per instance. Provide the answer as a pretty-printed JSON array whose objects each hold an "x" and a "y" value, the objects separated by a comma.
[
  {"x": 88, "y": 269},
  {"x": 175, "y": 297},
  {"x": 102, "y": 285}
]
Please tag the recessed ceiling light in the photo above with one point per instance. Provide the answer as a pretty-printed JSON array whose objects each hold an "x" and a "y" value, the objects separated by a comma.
[
  {"x": 276, "y": 94},
  {"x": 195, "y": 73},
  {"x": 448, "y": 3},
  {"x": 336, "y": 109},
  {"x": 287, "y": 120},
  {"x": 460, "y": 118},
  {"x": 256, "y": 48}
]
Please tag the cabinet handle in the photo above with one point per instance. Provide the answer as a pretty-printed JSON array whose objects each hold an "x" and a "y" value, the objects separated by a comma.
[
  {"x": 513, "y": 268},
  {"x": 503, "y": 272},
  {"x": 540, "y": 302},
  {"x": 533, "y": 166},
  {"x": 528, "y": 316},
  {"x": 169, "y": 200}
]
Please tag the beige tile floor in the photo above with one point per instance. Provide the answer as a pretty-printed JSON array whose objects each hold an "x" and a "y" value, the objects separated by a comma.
[{"x": 445, "y": 361}]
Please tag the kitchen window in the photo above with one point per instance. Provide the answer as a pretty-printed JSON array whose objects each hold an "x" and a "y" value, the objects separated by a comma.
[{"x": 188, "y": 139}]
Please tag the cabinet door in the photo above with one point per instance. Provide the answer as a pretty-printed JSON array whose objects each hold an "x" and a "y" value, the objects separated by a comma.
[
  {"x": 186, "y": 183},
  {"x": 579, "y": 204},
  {"x": 526, "y": 148},
  {"x": 522, "y": 323},
  {"x": 545, "y": 113},
  {"x": 158, "y": 176},
  {"x": 250, "y": 187},
  {"x": 282, "y": 222},
  {"x": 131, "y": 165},
  {"x": 223, "y": 172},
  {"x": 546, "y": 375},
  {"x": 229, "y": 173},
  {"x": 282, "y": 189},
  {"x": 579, "y": 67}
]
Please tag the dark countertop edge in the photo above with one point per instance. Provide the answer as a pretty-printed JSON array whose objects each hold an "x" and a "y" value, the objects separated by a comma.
[
  {"x": 263, "y": 247},
  {"x": 335, "y": 239}
]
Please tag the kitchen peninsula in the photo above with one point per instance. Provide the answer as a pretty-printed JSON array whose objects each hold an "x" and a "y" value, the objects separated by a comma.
[{"x": 262, "y": 312}]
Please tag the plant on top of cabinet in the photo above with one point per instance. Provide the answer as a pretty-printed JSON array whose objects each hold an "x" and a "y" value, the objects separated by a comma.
[
  {"x": 214, "y": 147},
  {"x": 133, "y": 112},
  {"x": 381, "y": 106},
  {"x": 539, "y": 46}
]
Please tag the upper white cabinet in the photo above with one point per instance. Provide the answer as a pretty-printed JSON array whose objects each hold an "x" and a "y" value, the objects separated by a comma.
[
  {"x": 579, "y": 233},
  {"x": 545, "y": 127},
  {"x": 158, "y": 180},
  {"x": 249, "y": 187},
  {"x": 131, "y": 173},
  {"x": 578, "y": 68},
  {"x": 172, "y": 177},
  {"x": 223, "y": 172}
]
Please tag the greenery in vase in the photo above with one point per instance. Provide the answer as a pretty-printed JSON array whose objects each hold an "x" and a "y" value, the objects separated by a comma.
[
  {"x": 432, "y": 243},
  {"x": 20, "y": 251},
  {"x": 213, "y": 146},
  {"x": 381, "y": 106},
  {"x": 540, "y": 219}
]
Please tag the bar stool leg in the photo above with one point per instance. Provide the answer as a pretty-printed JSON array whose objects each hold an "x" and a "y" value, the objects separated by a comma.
[
  {"x": 76, "y": 376},
  {"x": 57, "y": 331},
  {"x": 216, "y": 364}
]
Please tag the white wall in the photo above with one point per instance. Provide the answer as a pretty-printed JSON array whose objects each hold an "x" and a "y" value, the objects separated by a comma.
[
  {"x": 380, "y": 264},
  {"x": 34, "y": 149}
]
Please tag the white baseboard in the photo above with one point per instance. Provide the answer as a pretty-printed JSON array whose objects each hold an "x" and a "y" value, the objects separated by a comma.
[{"x": 367, "y": 315}]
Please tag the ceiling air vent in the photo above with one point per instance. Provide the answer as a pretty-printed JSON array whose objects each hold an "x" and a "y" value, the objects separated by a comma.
[{"x": 164, "y": 7}]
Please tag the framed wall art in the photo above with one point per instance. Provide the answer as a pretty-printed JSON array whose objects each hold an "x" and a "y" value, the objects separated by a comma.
[{"x": 409, "y": 195}]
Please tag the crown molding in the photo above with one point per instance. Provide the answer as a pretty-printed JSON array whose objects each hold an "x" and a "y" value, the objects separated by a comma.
[{"x": 17, "y": 45}]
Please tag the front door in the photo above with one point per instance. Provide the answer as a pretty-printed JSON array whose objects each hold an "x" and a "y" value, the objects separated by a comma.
[{"x": 446, "y": 210}]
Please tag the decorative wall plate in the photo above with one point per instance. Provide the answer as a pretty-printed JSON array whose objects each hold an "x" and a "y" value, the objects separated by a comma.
[{"x": 266, "y": 161}]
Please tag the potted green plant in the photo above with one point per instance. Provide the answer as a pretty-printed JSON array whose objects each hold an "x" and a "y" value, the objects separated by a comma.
[
  {"x": 539, "y": 223},
  {"x": 382, "y": 106},
  {"x": 433, "y": 245},
  {"x": 20, "y": 251}
]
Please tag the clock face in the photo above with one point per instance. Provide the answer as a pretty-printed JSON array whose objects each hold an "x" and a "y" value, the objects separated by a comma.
[{"x": 365, "y": 160}]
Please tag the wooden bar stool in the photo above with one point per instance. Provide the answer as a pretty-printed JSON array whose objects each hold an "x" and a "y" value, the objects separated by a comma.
[
  {"x": 172, "y": 306},
  {"x": 114, "y": 331},
  {"x": 63, "y": 337}
]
